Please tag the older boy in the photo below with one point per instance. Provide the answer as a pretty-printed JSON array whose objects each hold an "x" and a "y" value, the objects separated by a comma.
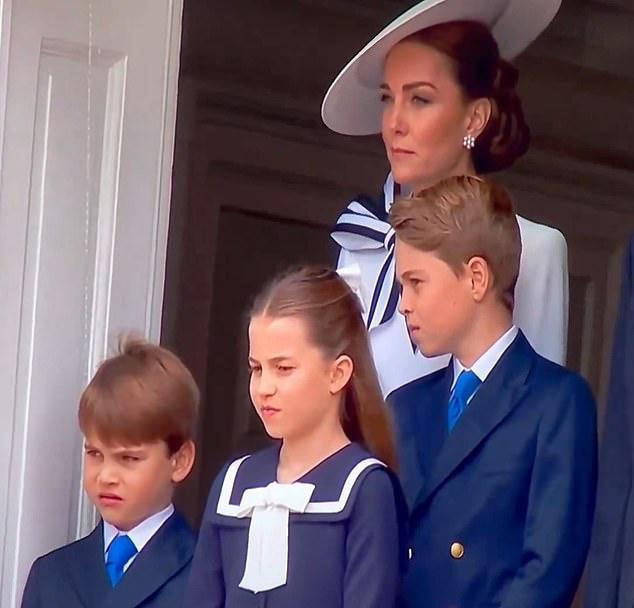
[
  {"x": 137, "y": 415},
  {"x": 498, "y": 450}
]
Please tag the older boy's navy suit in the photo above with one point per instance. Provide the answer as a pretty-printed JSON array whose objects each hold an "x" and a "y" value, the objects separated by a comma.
[{"x": 501, "y": 506}]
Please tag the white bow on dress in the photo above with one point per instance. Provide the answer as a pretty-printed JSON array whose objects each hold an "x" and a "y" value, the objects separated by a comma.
[{"x": 267, "y": 551}]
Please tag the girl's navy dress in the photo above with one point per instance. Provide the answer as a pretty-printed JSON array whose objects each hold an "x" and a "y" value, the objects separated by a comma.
[{"x": 345, "y": 548}]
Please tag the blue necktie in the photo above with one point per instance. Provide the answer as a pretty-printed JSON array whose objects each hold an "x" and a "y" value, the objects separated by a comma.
[
  {"x": 120, "y": 551},
  {"x": 466, "y": 385}
]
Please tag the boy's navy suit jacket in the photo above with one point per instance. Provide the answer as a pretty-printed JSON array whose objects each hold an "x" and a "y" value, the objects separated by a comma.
[
  {"x": 75, "y": 576},
  {"x": 501, "y": 507}
]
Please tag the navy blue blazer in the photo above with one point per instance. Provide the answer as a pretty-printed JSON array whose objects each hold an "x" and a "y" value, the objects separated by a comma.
[
  {"x": 348, "y": 557},
  {"x": 75, "y": 576},
  {"x": 501, "y": 508},
  {"x": 611, "y": 558}
]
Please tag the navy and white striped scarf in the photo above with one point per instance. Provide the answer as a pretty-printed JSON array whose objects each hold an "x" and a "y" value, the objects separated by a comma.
[{"x": 363, "y": 226}]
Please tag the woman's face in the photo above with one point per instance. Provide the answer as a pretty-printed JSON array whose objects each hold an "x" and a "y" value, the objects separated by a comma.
[{"x": 425, "y": 116}]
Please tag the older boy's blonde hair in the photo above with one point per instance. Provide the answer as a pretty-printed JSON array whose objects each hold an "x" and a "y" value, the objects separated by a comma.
[
  {"x": 460, "y": 218},
  {"x": 142, "y": 394}
]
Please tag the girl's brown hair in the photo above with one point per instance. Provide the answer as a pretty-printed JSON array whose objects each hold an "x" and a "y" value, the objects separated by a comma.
[
  {"x": 481, "y": 72},
  {"x": 332, "y": 313}
]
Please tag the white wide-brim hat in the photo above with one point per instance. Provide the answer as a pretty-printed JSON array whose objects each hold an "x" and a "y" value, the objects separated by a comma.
[{"x": 352, "y": 105}]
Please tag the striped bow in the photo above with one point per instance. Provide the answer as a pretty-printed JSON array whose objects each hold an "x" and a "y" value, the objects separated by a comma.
[{"x": 363, "y": 226}]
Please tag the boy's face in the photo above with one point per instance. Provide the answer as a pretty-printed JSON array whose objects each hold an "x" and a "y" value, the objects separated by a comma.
[
  {"x": 437, "y": 305},
  {"x": 129, "y": 483}
]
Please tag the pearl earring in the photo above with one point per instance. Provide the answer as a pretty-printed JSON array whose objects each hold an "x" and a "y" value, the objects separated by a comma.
[{"x": 468, "y": 141}]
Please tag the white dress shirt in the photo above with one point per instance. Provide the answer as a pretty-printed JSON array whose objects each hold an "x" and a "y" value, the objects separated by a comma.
[
  {"x": 486, "y": 362},
  {"x": 140, "y": 535}
]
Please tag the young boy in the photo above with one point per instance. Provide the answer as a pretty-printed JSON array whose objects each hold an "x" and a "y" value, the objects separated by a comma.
[
  {"x": 138, "y": 416},
  {"x": 498, "y": 450}
]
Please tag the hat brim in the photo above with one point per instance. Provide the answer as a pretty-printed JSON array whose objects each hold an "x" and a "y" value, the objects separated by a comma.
[{"x": 352, "y": 104}]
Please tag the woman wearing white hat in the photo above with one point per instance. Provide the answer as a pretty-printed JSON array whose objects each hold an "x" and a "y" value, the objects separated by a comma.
[{"x": 435, "y": 83}]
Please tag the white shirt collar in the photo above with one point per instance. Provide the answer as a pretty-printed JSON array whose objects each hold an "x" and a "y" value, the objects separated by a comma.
[
  {"x": 141, "y": 534},
  {"x": 388, "y": 191},
  {"x": 485, "y": 364}
]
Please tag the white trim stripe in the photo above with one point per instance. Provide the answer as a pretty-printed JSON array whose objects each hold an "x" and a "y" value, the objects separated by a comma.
[
  {"x": 336, "y": 506},
  {"x": 224, "y": 506}
]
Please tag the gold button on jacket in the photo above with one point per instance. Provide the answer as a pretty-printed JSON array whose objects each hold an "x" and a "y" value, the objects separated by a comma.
[{"x": 457, "y": 550}]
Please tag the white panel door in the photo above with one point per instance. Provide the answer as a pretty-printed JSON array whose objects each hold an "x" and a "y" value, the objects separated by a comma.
[{"x": 89, "y": 91}]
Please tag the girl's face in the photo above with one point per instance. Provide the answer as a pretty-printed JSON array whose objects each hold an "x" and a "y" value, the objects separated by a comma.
[
  {"x": 425, "y": 116},
  {"x": 294, "y": 387}
]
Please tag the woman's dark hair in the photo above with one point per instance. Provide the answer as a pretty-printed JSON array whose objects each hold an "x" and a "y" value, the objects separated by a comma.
[{"x": 481, "y": 72}]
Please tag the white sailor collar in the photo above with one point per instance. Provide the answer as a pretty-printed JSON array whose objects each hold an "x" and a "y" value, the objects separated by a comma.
[{"x": 335, "y": 483}]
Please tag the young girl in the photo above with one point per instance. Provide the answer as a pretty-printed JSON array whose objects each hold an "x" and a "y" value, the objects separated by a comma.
[{"x": 317, "y": 520}]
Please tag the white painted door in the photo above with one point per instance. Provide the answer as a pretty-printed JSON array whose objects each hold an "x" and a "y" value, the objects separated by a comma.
[{"x": 87, "y": 112}]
